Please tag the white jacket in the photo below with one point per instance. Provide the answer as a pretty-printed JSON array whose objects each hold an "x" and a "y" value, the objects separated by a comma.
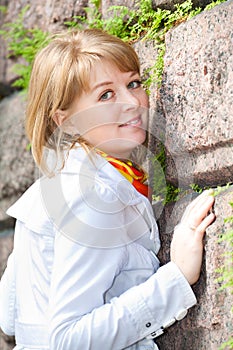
[{"x": 83, "y": 274}]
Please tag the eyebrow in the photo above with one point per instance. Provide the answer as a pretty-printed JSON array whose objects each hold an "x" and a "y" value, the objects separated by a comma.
[
  {"x": 109, "y": 82},
  {"x": 101, "y": 84}
]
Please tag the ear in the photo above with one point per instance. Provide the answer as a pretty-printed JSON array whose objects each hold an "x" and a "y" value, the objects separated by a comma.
[{"x": 59, "y": 117}]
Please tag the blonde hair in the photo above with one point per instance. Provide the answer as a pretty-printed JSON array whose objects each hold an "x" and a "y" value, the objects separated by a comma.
[{"x": 61, "y": 73}]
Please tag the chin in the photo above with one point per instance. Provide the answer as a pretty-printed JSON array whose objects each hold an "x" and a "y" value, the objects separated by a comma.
[
  {"x": 129, "y": 146},
  {"x": 140, "y": 138}
]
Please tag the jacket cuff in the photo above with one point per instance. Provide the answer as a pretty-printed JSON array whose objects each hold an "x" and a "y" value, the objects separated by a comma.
[{"x": 161, "y": 301}]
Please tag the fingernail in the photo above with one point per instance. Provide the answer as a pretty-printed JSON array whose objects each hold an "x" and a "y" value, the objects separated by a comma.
[{"x": 210, "y": 192}]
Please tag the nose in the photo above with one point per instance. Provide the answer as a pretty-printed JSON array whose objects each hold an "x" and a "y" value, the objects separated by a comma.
[{"x": 129, "y": 100}]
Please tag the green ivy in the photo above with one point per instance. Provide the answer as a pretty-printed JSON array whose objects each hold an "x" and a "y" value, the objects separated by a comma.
[
  {"x": 162, "y": 190},
  {"x": 145, "y": 23},
  {"x": 24, "y": 43},
  {"x": 3, "y": 9},
  {"x": 213, "y": 4},
  {"x": 141, "y": 23}
]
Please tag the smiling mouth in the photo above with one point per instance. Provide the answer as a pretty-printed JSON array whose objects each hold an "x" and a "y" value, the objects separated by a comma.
[{"x": 133, "y": 122}]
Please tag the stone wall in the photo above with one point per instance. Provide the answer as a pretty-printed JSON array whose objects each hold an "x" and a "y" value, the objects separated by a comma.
[
  {"x": 197, "y": 98},
  {"x": 191, "y": 114},
  {"x": 209, "y": 323}
]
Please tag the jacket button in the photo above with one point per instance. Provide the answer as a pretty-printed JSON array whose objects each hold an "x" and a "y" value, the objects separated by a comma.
[
  {"x": 169, "y": 323},
  {"x": 148, "y": 324},
  {"x": 181, "y": 314}
]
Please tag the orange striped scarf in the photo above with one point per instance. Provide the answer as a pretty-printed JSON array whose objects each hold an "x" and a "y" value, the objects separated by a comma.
[{"x": 132, "y": 172}]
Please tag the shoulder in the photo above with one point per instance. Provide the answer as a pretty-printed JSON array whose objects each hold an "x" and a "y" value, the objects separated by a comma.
[
  {"x": 88, "y": 200},
  {"x": 29, "y": 209}
]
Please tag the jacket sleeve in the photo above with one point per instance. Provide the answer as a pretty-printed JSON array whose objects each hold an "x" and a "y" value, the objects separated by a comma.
[
  {"x": 7, "y": 298},
  {"x": 79, "y": 317}
]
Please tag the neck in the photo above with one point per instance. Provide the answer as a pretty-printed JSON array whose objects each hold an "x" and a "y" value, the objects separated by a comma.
[{"x": 132, "y": 172}]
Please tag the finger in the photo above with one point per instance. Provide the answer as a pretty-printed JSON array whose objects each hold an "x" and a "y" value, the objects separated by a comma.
[
  {"x": 200, "y": 230},
  {"x": 202, "y": 197},
  {"x": 199, "y": 209},
  {"x": 198, "y": 215},
  {"x": 202, "y": 210},
  {"x": 198, "y": 201}
]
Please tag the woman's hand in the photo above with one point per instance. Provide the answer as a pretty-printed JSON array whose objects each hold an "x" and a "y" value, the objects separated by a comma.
[{"x": 187, "y": 242}]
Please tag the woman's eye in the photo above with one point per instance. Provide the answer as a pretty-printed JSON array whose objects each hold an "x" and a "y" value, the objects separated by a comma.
[
  {"x": 134, "y": 84},
  {"x": 106, "y": 96}
]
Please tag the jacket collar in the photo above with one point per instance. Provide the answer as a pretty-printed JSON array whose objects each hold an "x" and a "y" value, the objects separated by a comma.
[{"x": 97, "y": 167}]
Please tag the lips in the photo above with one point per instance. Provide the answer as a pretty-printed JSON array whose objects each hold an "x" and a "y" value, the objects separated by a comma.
[{"x": 133, "y": 122}]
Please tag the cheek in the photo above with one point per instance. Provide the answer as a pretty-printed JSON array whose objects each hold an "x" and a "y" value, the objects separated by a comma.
[
  {"x": 99, "y": 135},
  {"x": 145, "y": 110},
  {"x": 88, "y": 120},
  {"x": 101, "y": 115},
  {"x": 81, "y": 123},
  {"x": 145, "y": 100}
]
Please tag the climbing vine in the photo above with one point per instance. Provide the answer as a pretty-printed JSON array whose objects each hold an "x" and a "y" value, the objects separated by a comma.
[
  {"x": 24, "y": 43},
  {"x": 142, "y": 23}
]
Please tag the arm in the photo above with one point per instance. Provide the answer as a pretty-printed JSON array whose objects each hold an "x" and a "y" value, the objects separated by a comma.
[
  {"x": 82, "y": 275},
  {"x": 79, "y": 317}
]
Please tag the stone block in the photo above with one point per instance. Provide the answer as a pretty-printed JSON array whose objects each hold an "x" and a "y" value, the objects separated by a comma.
[
  {"x": 171, "y": 4},
  {"x": 48, "y": 15},
  {"x": 6, "y": 342},
  {"x": 147, "y": 53},
  {"x": 16, "y": 162},
  {"x": 210, "y": 322},
  {"x": 197, "y": 98},
  {"x": 109, "y": 3}
]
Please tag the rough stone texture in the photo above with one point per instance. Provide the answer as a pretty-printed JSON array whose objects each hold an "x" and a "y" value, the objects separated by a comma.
[
  {"x": 210, "y": 322},
  {"x": 6, "y": 246},
  {"x": 147, "y": 53},
  {"x": 197, "y": 98},
  {"x": 16, "y": 164},
  {"x": 171, "y": 4},
  {"x": 48, "y": 15},
  {"x": 163, "y": 4},
  {"x": 6, "y": 342},
  {"x": 107, "y": 4},
  {"x": 2, "y": 51}
]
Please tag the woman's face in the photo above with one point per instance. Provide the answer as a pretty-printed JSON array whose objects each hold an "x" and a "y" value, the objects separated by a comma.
[{"x": 113, "y": 115}]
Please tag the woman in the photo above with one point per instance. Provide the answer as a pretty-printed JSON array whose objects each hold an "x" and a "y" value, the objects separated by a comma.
[{"x": 84, "y": 273}]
